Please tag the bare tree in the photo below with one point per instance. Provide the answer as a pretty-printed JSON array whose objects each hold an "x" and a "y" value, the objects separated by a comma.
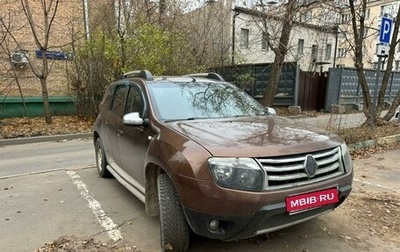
[
  {"x": 277, "y": 23},
  {"x": 126, "y": 35},
  {"x": 208, "y": 29},
  {"x": 40, "y": 27},
  {"x": 280, "y": 50},
  {"x": 372, "y": 113},
  {"x": 7, "y": 41},
  {"x": 386, "y": 76}
]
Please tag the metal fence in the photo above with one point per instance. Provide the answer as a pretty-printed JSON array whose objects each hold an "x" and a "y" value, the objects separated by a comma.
[
  {"x": 256, "y": 77},
  {"x": 344, "y": 88}
]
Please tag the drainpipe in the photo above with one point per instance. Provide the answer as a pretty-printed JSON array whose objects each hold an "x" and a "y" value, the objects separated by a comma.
[
  {"x": 86, "y": 19},
  {"x": 336, "y": 41},
  {"x": 233, "y": 35}
]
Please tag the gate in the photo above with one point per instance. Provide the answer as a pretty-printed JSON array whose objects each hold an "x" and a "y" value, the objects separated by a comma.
[{"x": 312, "y": 91}]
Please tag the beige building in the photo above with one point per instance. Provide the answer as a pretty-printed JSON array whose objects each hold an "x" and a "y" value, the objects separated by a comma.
[
  {"x": 321, "y": 39},
  {"x": 373, "y": 16},
  {"x": 239, "y": 36}
]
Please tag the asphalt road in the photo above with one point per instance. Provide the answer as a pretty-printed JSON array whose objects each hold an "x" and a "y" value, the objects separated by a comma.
[
  {"x": 51, "y": 189},
  {"x": 45, "y": 156}
]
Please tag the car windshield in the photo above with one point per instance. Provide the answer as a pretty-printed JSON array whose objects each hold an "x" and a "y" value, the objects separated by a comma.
[{"x": 174, "y": 101}]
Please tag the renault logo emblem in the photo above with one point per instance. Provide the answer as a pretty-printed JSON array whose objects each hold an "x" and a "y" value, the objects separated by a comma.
[{"x": 310, "y": 166}]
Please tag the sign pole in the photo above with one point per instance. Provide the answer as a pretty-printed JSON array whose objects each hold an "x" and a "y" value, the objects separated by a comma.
[{"x": 385, "y": 36}]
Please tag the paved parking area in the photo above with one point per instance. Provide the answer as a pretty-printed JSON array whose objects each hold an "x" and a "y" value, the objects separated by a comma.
[{"x": 40, "y": 207}]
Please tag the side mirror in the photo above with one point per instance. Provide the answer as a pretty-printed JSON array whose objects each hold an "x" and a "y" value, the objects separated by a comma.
[
  {"x": 271, "y": 111},
  {"x": 133, "y": 119}
]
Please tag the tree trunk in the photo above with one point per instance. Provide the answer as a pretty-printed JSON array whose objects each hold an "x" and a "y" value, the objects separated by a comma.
[
  {"x": 393, "y": 108},
  {"x": 45, "y": 93},
  {"x": 358, "y": 30},
  {"x": 46, "y": 105},
  {"x": 280, "y": 53},
  {"x": 270, "y": 90},
  {"x": 393, "y": 45}
]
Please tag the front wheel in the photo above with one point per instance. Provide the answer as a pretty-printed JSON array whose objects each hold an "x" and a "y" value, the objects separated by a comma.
[
  {"x": 101, "y": 162},
  {"x": 174, "y": 230}
]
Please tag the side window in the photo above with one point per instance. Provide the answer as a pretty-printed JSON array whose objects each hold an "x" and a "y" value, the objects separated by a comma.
[
  {"x": 119, "y": 99},
  {"x": 108, "y": 97},
  {"x": 134, "y": 102}
]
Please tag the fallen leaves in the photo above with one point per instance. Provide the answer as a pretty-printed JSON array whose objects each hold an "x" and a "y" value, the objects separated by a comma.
[
  {"x": 382, "y": 215},
  {"x": 71, "y": 243},
  {"x": 31, "y": 127},
  {"x": 365, "y": 152}
]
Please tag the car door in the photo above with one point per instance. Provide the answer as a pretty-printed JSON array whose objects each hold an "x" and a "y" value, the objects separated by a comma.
[
  {"x": 113, "y": 125},
  {"x": 135, "y": 141}
]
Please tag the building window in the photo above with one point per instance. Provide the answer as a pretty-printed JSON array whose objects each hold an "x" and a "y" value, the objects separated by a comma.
[
  {"x": 397, "y": 65},
  {"x": 345, "y": 18},
  {"x": 367, "y": 14},
  {"x": 342, "y": 53},
  {"x": 314, "y": 52},
  {"x": 306, "y": 16},
  {"x": 389, "y": 9},
  {"x": 300, "y": 47},
  {"x": 244, "y": 38},
  {"x": 328, "y": 51},
  {"x": 264, "y": 42}
]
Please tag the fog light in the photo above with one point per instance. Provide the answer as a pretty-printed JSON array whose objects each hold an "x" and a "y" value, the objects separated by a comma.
[{"x": 213, "y": 225}]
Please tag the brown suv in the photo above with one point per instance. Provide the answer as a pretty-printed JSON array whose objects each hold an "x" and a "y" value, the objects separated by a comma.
[{"x": 205, "y": 156}]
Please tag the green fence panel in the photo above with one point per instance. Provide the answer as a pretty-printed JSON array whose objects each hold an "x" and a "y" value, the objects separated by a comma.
[{"x": 14, "y": 106}]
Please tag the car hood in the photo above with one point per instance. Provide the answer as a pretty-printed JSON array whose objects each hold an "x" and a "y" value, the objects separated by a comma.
[{"x": 256, "y": 136}]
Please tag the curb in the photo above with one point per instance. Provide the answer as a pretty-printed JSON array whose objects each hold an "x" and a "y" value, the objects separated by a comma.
[
  {"x": 38, "y": 139},
  {"x": 378, "y": 141}
]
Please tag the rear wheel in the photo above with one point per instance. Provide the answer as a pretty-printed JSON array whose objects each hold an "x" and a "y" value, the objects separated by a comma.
[
  {"x": 174, "y": 230},
  {"x": 101, "y": 162}
]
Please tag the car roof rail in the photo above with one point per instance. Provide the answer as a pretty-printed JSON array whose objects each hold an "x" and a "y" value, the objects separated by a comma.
[
  {"x": 210, "y": 75},
  {"x": 144, "y": 74}
]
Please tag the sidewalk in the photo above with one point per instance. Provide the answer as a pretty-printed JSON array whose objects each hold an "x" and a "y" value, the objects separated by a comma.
[
  {"x": 334, "y": 121},
  {"x": 337, "y": 121}
]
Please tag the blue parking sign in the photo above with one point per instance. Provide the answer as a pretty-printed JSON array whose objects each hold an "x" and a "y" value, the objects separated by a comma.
[{"x": 385, "y": 32}]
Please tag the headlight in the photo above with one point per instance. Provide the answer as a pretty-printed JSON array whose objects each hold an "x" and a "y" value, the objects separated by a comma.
[
  {"x": 237, "y": 173},
  {"x": 347, "y": 162}
]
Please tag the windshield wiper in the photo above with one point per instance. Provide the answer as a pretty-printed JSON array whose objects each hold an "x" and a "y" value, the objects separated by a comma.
[{"x": 185, "y": 119}]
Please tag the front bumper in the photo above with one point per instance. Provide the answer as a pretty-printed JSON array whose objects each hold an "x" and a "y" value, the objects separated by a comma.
[{"x": 267, "y": 219}]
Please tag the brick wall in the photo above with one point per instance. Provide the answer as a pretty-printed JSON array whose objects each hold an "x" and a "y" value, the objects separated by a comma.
[{"x": 68, "y": 20}]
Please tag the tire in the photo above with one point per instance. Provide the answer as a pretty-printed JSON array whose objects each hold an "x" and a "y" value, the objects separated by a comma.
[
  {"x": 101, "y": 162},
  {"x": 174, "y": 230}
]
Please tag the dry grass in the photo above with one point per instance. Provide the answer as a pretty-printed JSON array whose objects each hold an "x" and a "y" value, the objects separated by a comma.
[{"x": 364, "y": 133}]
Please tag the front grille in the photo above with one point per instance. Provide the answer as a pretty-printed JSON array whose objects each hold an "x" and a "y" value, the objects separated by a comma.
[{"x": 289, "y": 171}]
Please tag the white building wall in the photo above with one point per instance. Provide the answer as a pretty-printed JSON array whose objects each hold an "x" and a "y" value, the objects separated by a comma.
[{"x": 311, "y": 36}]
